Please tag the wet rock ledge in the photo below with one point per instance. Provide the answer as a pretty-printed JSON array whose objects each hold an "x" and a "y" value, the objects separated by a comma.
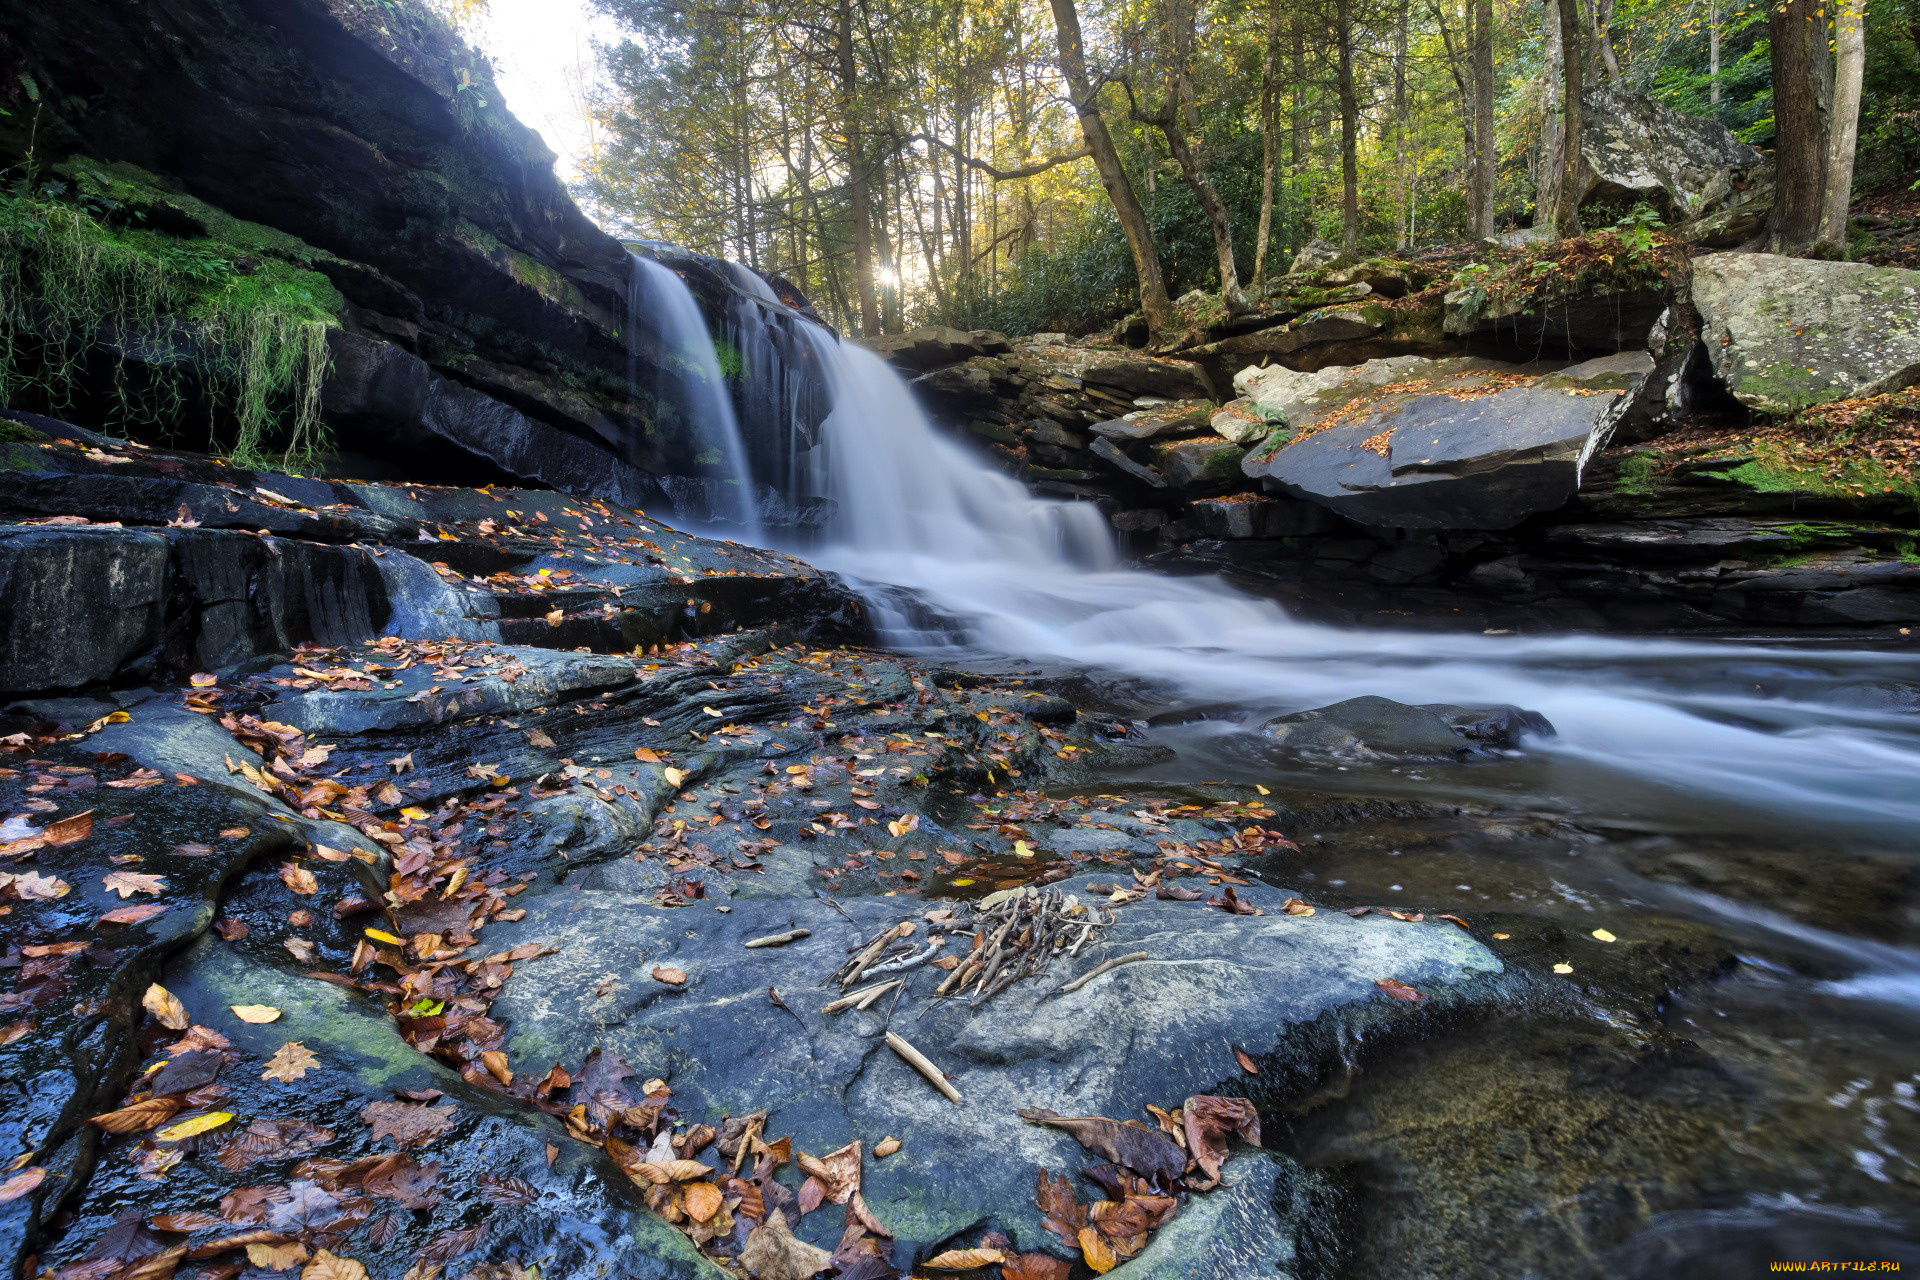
[{"x": 409, "y": 881}]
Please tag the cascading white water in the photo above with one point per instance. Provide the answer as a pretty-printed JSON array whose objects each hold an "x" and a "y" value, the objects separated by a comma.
[
  {"x": 658, "y": 301},
  {"x": 1039, "y": 580}
]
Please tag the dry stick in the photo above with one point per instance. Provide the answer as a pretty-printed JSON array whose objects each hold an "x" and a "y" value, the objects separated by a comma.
[
  {"x": 779, "y": 939},
  {"x": 1101, "y": 968},
  {"x": 853, "y": 998},
  {"x": 919, "y": 1062},
  {"x": 877, "y": 992}
]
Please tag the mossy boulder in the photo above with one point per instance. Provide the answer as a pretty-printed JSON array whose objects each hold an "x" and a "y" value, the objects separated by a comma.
[{"x": 1785, "y": 334}]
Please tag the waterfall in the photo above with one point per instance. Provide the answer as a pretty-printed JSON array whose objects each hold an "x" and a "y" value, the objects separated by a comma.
[
  {"x": 659, "y": 303},
  {"x": 951, "y": 554}
]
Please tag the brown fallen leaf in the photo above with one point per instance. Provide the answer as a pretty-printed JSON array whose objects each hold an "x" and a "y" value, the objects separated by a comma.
[
  {"x": 668, "y": 974},
  {"x": 21, "y": 1183},
  {"x": 645, "y": 755},
  {"x": 1208, "y": 1121},
  {"x": 1399, "y": 990},
  {"x": 703, "y": 1200},
  {"x": 1036, "y": 1266},
  {"x": 298, "y": 879},
  {"x": 1065, "y": 1215},
  {"x": 289, "y": 1062},
  {"x": 69, "y": 830},
  {"x": 162, "y": 1004},
  {"x": 255, "y": 1013},
  {"x": 964, "y": 1259},
  {"x": 837, "y": 1171},
  {"x": 409, "y": 1124},
  {"x": 133, "y": 915},
  {"x": 496, "y": 1064},
  {"x": 128, "y": 883},
  {"x": 1247, "y": 1064},
  {"x": 773, "y": 1253},
  {"x": 137, "y": 1118},
  {"x": 885, "y": 1147},
  {"x": 1176, "y": 893},
  {"x": 1145, "y": 1151}
]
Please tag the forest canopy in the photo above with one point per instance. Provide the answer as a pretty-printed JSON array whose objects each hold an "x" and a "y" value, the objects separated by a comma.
[{"x": 933, "y": 161}]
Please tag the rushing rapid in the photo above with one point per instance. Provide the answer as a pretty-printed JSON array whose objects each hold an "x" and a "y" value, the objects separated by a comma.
[{"x": 953, "y": 554}]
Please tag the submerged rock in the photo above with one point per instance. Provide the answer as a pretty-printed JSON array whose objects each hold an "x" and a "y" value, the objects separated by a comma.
[
  {"x": 1474, "y": 449},
  {"x": 1787, "y": 333},
  {"x": 1370, "y": 727}
]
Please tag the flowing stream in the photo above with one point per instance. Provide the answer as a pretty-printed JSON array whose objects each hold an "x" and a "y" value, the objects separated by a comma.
[{"x": 1754, "y": 801}]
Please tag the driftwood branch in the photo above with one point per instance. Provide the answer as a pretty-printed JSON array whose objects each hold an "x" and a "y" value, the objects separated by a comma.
[
  {"x": 1105, "y": 966},
  {"x": 919, "y": 1062}
]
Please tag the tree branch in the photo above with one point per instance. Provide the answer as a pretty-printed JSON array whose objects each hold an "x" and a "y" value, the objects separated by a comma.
[{"x": 997, "y": 174}]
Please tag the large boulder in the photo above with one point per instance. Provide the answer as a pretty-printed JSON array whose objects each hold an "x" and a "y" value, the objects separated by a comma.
[
  {"x": 1299, "y": 400},
  {"x": 1466, "y": 450},
  {"x": 1178, "y": 418},
  {"x": 1373, "y": 728},
  {"x": 1687, "y": 167},
  {"x": 1787, "y": 333},
  {"x": 918, "y": 350}
]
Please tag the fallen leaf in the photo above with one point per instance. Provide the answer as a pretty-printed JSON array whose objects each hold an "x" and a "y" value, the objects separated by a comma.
[
  {"x": 327, "y": 1266},
  {"x": 674, "y": 777},
  {"x": 772, "y": 1252},
  {"x": 964, "y": 1259},
  {"x": 276, "y": 1257},
  {"x": 885, "y": 1147},
  {"x": 128, "y": 883},
  {"x": 1399, "y": 990},
  {"x": 69, "y": 830},
  {"x": 197, "y": 1125},
  {"x": 162, "y": 1004},
  {"x": 203, "y": 680},
  {"x": 256, "y": 1013},
  {"x": 271, "y": 1140},
  {"x": 1036, "y": 1266},
  {"x": 1208, "y": 1121},
  {"x": 1604, "y": 936},
  {"x": 138, "y": 1117},
  {"x": 289, "y": 1062},
  {"x": 703, "y": 1200},
  {"x": 1247, "y": 1064},
  {"x": 298, "y": 879},
  {"x": 134, "y": 915},
  {"x": 21, "y": 1183},
  {"x": 668, "y": 974},
  {"x": 1145, "y": 1151},
  {"x": 1065, "y": 1215},
  {"x": 409, "y": 1124},
  {"x": 1563, "y": 968},
  {"x": 838, "y": 1171},
  {"x": 1098, "y": 1253}
]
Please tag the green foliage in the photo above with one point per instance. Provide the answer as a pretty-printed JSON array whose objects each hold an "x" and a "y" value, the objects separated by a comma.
[{"x": 80, "y": 289}]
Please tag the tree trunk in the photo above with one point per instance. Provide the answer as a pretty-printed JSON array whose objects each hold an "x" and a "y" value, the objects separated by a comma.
[
  {"x": 1349, "y": 131},
  {"x": 1180, "y": 123},
  {"x": 859, "y": 172},
  {"x": 1486, "y": 158},
  {"x": 1843, "y": 128},
  {"x": 1713, "y": 52},
  {"x": 1269, "y": 144},
  {"x": 1400, "y": 124},
  {"x": 1298, "y": 110},
  {"x": 1604, "y": 59},
  {"x": 1798, "y": 139},
  {"x": 1566, "y": 213},
  {"x": 1113, "y": 175}
]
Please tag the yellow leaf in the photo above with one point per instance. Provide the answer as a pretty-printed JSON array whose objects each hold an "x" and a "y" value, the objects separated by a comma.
[
  {"x": 674, "y": 777},
  {"x": 1604, "y": 936},
  {"x": 327, "y": 1266},
  {"x": 276, "y": 1257},
  {"x": 162, "y": 1004},
  {"x": 646, "y": 755},
  {"x": 964, "y": 1259},
  {"x": 1563, "y": 968},
  {"x": 1021, "y": 849},
  {"x": 199, "y": 1124},
  {"x": 381, "y": 935},
  {"x": 256, "y": 1013},
  {"x": 961, "y": 884},
  {"x": 1262, "y": 790},
  {"x": 1098, "y": 1253},
  {"x": 414, "y": 813}
]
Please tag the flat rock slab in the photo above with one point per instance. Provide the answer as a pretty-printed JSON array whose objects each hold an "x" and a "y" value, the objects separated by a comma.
[
  {"x": 1788, "y": 333},
  {"x": 1155, "y": 1031},
  {"x": 1182, "y": 417},
  {"x": 1466, "y": 450}
]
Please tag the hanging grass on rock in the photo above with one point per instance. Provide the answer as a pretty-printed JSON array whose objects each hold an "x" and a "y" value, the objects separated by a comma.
[{"x": 169, "y": 316}]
